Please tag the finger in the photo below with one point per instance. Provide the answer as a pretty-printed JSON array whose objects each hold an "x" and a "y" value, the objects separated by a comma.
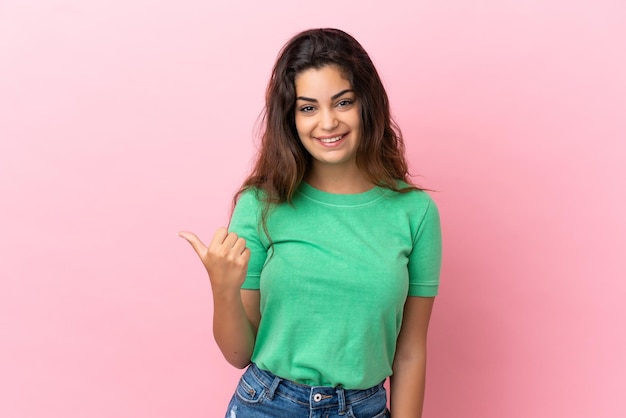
[
  {"x": 192, "y": 239},
  {"x": 239, "y": 246},
  {"x": 245, "y": 255},
  {"x": 218, "y": 237},
  {"x": 230, "y": 240}
]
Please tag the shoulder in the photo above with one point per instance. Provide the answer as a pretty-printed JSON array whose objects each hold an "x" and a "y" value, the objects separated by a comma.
[
  {"x": 251, "y": 197},
  {"x": 413, "y": 198},
  {"x": 248, "y": 206},
  {"x": 414, "y": 205}
]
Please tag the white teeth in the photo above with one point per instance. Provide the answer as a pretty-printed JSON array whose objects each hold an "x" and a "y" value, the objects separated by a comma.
[{"x": 331, "y": 140}]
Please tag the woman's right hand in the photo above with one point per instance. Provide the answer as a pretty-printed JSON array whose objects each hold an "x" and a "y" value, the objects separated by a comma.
[{"x": 225, "y": 259}]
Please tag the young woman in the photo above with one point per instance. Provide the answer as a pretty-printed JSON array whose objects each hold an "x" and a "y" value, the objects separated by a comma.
[{"x": 323, "y": 284}]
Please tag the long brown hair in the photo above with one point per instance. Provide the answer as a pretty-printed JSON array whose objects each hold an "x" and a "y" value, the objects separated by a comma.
[{"x": 283, "y": 161}]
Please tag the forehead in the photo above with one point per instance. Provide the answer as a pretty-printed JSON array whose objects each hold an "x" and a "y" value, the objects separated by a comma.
[{"x": 324, "y": 81}]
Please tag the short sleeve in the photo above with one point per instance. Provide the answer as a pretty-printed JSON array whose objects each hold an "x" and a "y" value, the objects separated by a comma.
[
  {"x": 245, "y": 222},
  {"x": 425, "y": 258}
]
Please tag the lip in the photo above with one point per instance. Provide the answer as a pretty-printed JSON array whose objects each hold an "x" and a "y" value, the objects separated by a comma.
[
  {"x": 331, "y": 136},
  {"x": 333, "y": 144}
]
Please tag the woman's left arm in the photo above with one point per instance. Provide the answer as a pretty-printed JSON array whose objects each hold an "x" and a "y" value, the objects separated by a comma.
[{"x": 409, "y": 365}]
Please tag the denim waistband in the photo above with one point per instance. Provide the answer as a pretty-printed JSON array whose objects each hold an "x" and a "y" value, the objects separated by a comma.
[{"x": 315, "y": 396}]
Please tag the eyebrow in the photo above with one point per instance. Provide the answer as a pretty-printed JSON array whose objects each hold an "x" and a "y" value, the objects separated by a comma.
[{"x": 341, "y": 93}]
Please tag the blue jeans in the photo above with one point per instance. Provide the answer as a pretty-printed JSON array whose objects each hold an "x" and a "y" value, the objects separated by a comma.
[{"x": 261, "y": 394}]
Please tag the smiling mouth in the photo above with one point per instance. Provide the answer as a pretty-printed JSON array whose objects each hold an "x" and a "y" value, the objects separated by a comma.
[{"x": 331, "y": 139}]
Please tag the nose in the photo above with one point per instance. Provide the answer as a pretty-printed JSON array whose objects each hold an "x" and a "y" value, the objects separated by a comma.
[{"x": 328, "y": 120}]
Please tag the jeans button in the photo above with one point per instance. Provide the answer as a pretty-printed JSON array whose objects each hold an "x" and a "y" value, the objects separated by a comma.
[{"x": 317, "y": 397}]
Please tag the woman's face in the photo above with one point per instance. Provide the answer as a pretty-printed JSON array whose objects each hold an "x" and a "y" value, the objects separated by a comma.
[{"x": 327, "y": 116}]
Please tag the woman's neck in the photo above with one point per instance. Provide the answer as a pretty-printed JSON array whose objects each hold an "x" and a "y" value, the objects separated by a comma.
[{"x": 338, "y": 180}]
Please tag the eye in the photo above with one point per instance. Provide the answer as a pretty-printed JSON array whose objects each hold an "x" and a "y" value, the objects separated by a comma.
[
  {"x": 306, "y": 109},
  {"x": 345, "y": 102}
]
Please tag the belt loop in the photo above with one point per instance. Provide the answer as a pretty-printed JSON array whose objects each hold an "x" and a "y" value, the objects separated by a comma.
[
  {"x": 273, "y": 387},
  {"x": 341, "y": 394}
]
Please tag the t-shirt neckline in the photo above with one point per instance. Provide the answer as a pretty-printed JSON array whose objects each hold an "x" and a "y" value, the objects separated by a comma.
[{"x": 340, "y": 199}]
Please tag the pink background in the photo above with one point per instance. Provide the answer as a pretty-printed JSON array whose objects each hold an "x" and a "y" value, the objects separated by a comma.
[{"x": 122, "y": 122}]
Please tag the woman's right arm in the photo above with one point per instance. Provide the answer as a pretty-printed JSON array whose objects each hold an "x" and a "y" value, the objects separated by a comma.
[{"x": 236, "y": 313}]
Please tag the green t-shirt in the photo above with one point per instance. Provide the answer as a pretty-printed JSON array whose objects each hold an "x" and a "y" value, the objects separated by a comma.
[{"x": 333, "y": 288}]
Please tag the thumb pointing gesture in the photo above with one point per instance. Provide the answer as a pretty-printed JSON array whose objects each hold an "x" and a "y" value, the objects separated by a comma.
[
  {"x": 225, "y": 259},
  {"x": 195, "y": 242}
]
